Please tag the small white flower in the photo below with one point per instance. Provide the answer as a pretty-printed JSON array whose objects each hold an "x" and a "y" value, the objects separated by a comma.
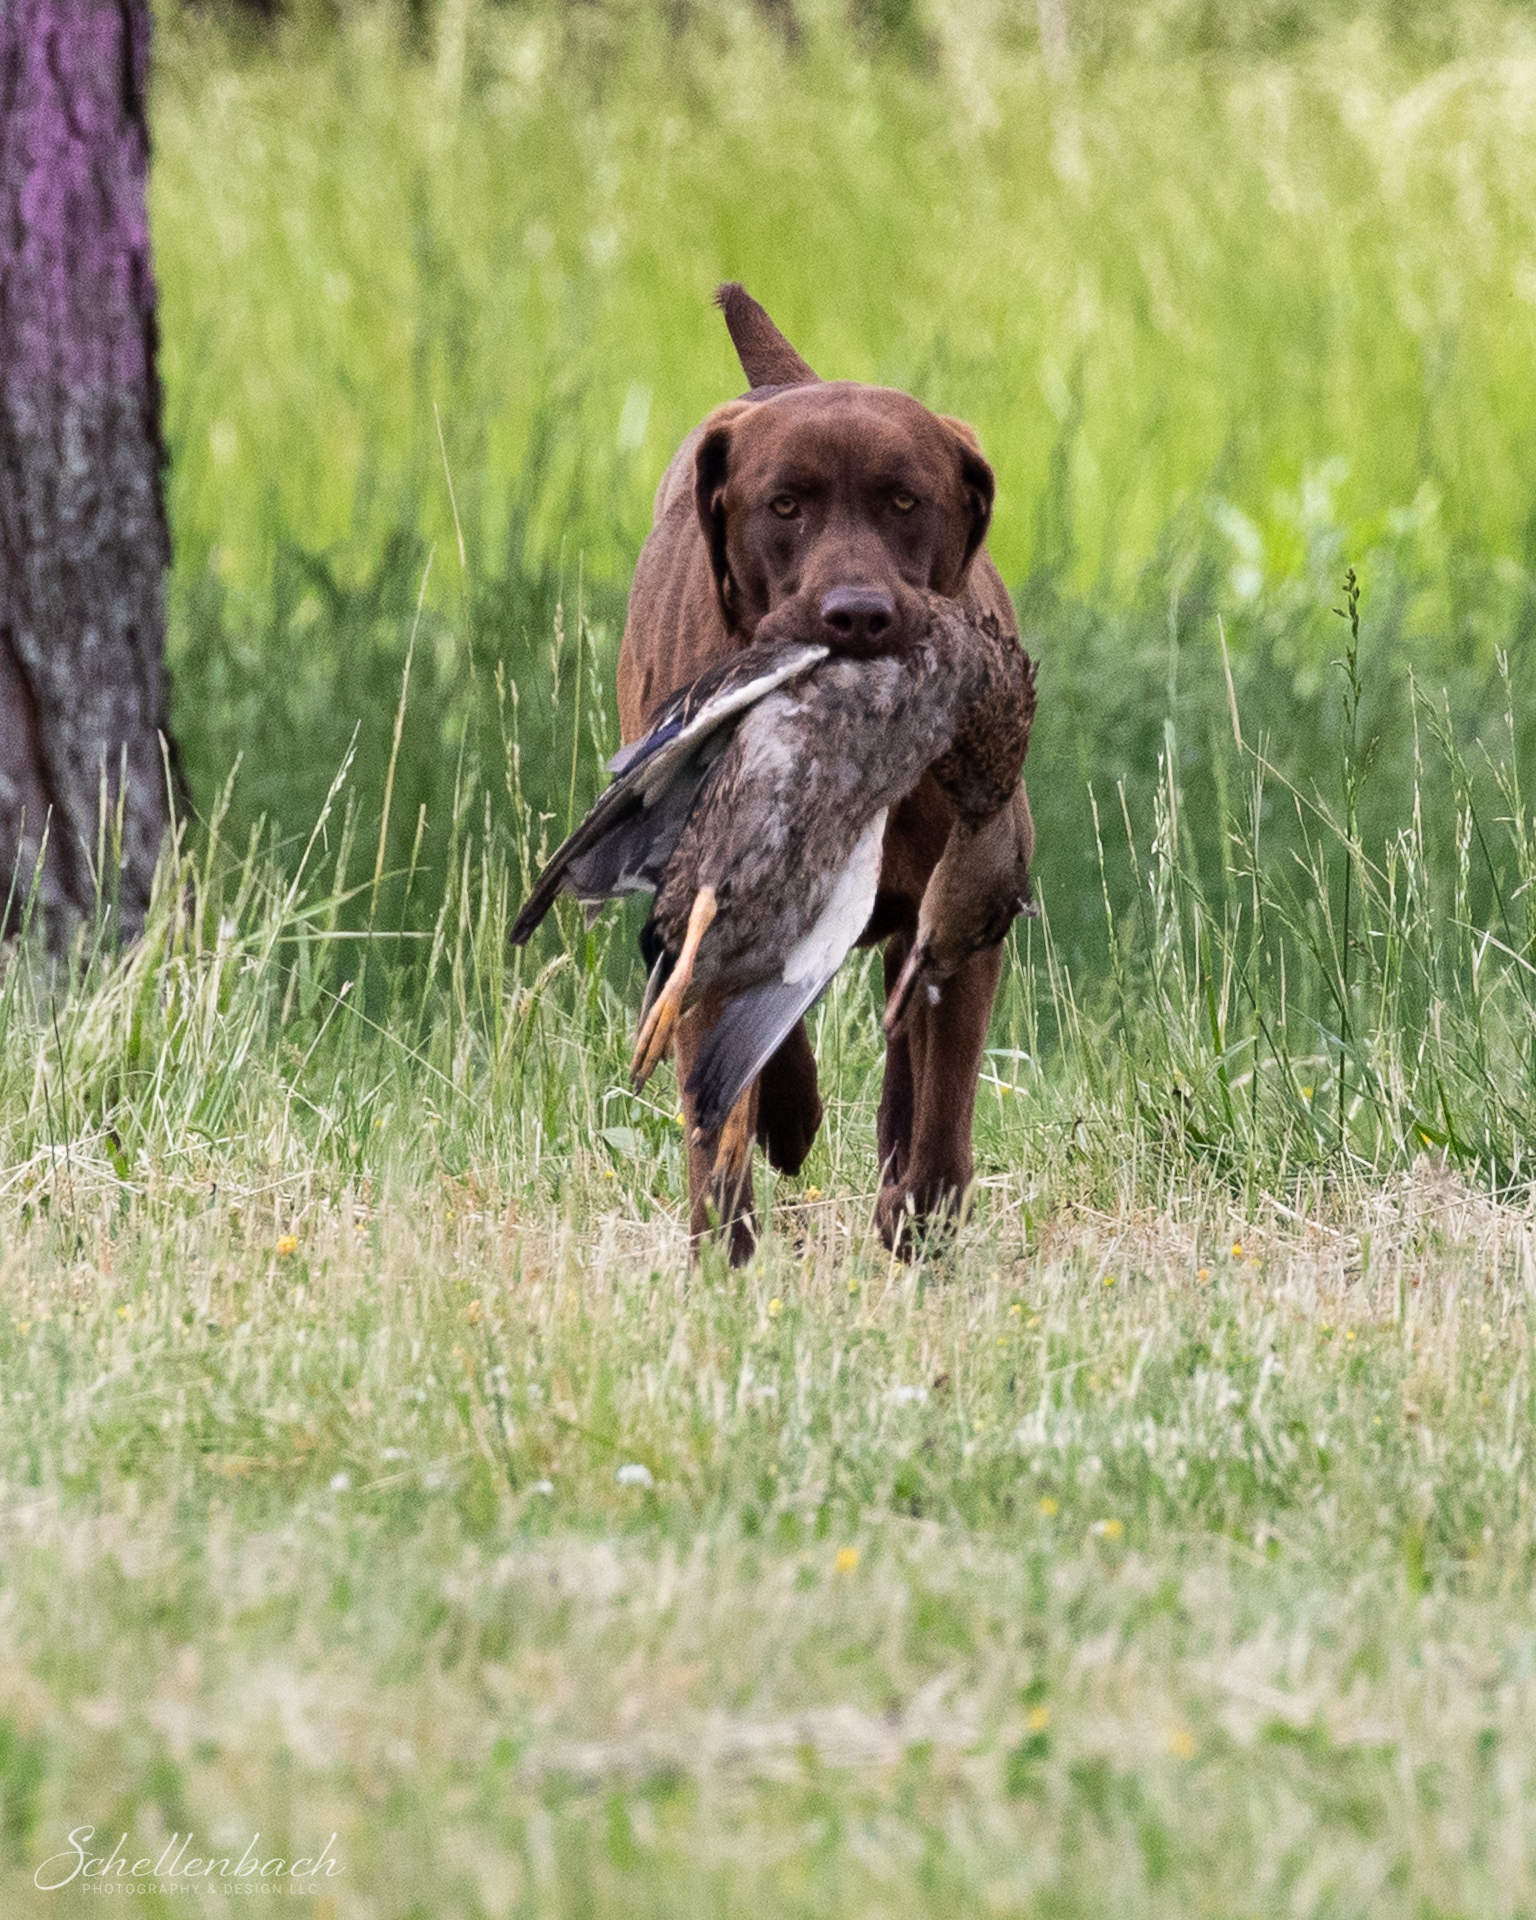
[
  {"x": 394, "y": 1453},
  {"x": 908, "y": 1396},
  {"x": 542, "y": 1486},
  {"x": 634, "y": 1474},
  {"x": 340, "y": 1482}
]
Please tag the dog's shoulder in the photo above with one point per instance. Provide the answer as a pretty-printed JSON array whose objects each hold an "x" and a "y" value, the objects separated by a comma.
[
  {"x": 985, "y": 597},
  {"x": 676, "y": 484}
]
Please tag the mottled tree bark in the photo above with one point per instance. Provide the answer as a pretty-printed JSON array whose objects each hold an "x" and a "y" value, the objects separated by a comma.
[{"x": 83, "y": 540}]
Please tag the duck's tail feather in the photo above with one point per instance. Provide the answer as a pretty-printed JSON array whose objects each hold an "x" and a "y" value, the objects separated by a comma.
[{"x": 743, "y": 1040}]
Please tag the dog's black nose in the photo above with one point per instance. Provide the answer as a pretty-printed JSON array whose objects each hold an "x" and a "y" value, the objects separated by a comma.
[{"x": 857, "y": 616}]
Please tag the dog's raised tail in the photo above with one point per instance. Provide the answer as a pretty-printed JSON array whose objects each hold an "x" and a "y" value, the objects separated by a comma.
[{"x": 767, "y": 358}]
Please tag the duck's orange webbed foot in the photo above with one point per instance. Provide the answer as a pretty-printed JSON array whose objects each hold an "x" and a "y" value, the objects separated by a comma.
[{"x": 660, "y": 1024}]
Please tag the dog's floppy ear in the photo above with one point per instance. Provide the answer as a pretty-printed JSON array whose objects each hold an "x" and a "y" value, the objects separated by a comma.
[
  {"x": 711, "y": 468},
  {"x": 979, "y": 483}
]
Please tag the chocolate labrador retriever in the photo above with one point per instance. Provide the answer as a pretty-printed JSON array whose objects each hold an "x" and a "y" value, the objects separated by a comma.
[{"x": 812, "y": 510}]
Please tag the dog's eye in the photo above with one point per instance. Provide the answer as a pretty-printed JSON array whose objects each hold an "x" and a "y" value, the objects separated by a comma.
[
  {"x": 903, "y": 502},
  {"x": 786, "y": 506}
]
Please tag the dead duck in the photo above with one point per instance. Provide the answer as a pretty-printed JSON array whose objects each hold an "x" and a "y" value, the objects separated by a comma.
[
  {"x": 982, "y": 881},
  {"x": 781, "y": 772},
  {"x": 632, "y": 831}
]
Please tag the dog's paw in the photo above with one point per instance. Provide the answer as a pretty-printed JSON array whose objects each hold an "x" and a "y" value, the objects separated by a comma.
[{"x": 907, "y": 1217}]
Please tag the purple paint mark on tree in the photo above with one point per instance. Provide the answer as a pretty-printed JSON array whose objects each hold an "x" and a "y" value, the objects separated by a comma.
[
  {"x": 83, "y": 541},
  {"x": 74, "y": 99}
]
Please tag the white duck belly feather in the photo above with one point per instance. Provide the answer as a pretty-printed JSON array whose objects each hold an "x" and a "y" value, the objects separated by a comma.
[{"x": 818, "y": 954}]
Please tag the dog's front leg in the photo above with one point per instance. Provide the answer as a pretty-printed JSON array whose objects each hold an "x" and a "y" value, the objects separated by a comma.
[{"x": 944, "y": 1044}]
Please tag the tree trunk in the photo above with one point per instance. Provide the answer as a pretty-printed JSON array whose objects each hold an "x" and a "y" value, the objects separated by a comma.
[{"x": 83, "y": 539}]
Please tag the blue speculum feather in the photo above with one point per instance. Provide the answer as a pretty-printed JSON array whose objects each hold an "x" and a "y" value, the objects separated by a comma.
[{"x": 641, "y": 750}]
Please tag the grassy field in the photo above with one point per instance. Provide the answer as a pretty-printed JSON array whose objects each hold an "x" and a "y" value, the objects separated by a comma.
[
  {"x": 375, "y": 1464},
  {"x": 1222, "y": 323},
  {"x": 372, "y": 1462}
]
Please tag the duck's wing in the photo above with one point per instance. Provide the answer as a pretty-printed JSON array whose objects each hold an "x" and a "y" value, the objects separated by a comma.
[
  {"x": 756, "y": 1023},
  {"x": 632, "y": 831}
]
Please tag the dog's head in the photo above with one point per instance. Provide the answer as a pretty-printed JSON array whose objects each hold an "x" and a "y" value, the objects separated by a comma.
[{"x": 828, "y": 507}]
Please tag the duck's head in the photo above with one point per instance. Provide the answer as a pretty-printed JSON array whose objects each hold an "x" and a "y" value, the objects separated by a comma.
[
  {"x": 831, "y": 510},
  {"x": 978, "y": 889}
]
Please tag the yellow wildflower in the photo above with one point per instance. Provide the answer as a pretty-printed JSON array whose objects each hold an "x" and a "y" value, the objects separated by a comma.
[
  {"x": 288, "y": 1244},
  {"x": 847, "y": 1560},
  {"x": 1049, "y": 1507}
]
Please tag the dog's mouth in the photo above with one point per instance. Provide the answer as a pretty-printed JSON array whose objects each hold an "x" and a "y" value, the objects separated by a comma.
[
  {"x": 891, "y": 645},
  {"x": 800, "y": 621}
]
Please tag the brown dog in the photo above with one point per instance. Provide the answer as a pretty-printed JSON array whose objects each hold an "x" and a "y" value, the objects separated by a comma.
[{"x": 811, "y": 511}]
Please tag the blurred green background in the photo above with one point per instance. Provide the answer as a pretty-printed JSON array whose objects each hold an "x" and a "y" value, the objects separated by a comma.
[{"x": 1235, "y": 295}]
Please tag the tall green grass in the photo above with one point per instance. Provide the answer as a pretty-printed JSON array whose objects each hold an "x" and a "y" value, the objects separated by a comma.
[
  {"x": 1159, "y": 1541},
  {"x": 1224, "y": 324},
  {"x": 1288, "y": 1026}
]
